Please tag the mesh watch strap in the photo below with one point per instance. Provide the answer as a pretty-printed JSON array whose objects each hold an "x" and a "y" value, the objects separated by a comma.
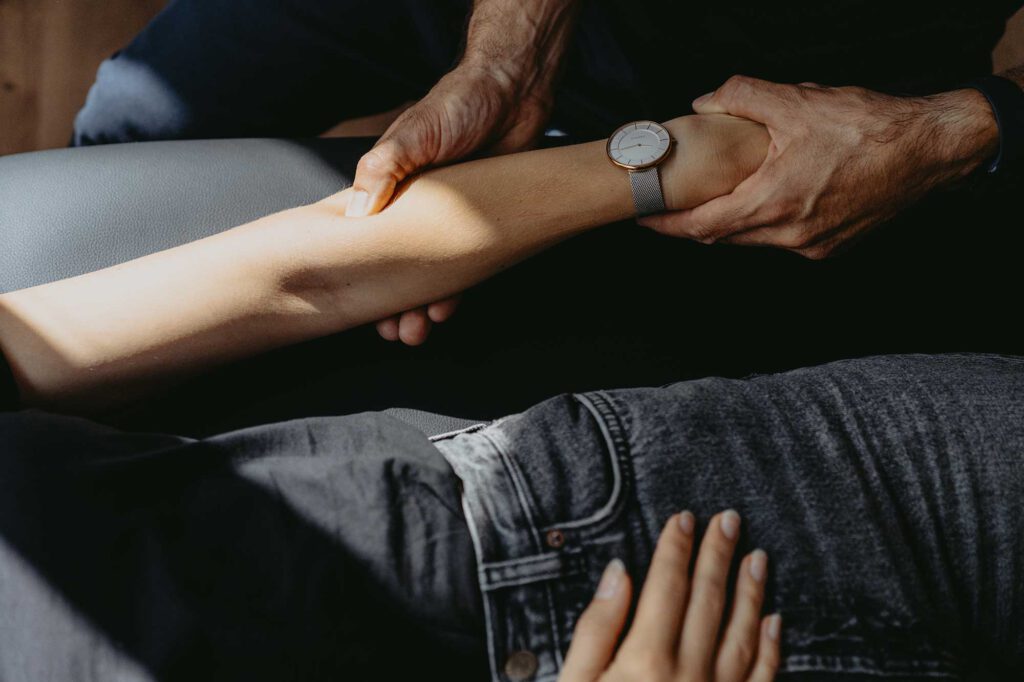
[{"x": 647, "y": 196}]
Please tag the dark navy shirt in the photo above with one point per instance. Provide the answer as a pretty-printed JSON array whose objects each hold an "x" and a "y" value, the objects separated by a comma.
[
  {"x": 8, "y": 389},
  {"x": 650, "y": 59}
]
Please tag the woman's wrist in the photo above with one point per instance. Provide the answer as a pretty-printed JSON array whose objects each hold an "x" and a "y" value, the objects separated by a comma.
[
  {"x": 712, "y": 155},
  {"x": 450, "y": 218}
]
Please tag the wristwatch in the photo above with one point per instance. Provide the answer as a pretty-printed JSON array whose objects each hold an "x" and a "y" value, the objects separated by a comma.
[{"x": 640, "y": 147}]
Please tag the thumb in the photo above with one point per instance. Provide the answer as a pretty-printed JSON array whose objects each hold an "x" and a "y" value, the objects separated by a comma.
[
  {"x": 380, "y": 170},
  {"x": 751, "y": 98}
]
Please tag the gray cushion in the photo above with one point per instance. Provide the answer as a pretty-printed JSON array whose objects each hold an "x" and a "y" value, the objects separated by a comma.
[{"x": 67, "y": 212}]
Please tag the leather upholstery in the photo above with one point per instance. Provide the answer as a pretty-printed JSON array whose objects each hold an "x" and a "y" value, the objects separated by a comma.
[{"x": 71, "y": 211}]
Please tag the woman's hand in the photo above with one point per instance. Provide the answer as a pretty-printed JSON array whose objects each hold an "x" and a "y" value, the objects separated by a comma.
[{"x": 675, "y": 634}]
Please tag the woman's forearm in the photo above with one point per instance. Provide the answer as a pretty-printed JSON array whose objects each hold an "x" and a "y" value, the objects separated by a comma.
[
  {"x": 89, "y": 341},
  {"x": 85, "y": 343},
  {"x": 453, "y": 227}
]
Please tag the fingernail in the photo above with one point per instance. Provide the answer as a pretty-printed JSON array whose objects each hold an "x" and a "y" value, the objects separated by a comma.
[
  {"x": 686, "y": 522},
  {"x": 703, "y": 98},
  {"x": 611, "y": 580},
  {"x": 774, "y": 627},
  {"x": 730, "y": 524},
  {"x": 758, "y": 565},
  {"x": 357, "y": 204}
]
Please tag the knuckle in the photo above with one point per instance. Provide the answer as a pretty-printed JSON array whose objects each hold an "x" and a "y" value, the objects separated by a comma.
[
  {"x": 712, "y": 579},
  {"x": 703, "y": 232},
  {"x": 737, "y": 653},
  {"x": 738, "y": 81},
  {"x": 647, "y": 664},
  {"x": 744, "y": 649},
  {"x": 377, "y": 162},
  {"x": 700, "y": 231},
  {"x": 733, "y": 88}
]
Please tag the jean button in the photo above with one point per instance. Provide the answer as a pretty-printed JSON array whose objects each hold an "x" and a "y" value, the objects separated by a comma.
[
  {"x": 520, "y": 665},
  {"x": 555, "y": 539}
]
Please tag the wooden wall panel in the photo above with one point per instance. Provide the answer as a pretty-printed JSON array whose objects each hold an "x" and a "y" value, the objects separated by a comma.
[
  {"x": 49, "y": 52},
  {"x": 50, "y": 49},
  {"x": 20, "y": 74}
]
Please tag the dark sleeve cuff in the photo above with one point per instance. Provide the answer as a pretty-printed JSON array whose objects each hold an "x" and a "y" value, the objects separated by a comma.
[
  {"x": 1007, "y": 101},
  {"x": 8, "y": 389}
]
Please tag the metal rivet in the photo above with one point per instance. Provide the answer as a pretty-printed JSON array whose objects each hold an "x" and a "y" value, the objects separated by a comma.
[
  {"x": 555, "y": 538},
  {"x": 520, "y": 665}
]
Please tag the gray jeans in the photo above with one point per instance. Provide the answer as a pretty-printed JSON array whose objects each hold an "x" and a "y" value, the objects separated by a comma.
[{"x": 888, "y": 493}]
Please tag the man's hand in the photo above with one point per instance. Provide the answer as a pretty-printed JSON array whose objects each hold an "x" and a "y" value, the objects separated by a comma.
[
  {"x": 496, "y": 101},
  {"x": 841, "y": 161},
  {"x": 470, "y": 109}
]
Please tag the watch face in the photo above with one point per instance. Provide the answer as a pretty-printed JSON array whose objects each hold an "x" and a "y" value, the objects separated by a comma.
[{"x": 640, "y": 144}]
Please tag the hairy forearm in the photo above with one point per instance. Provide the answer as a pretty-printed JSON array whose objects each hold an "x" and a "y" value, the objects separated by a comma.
[
  {"x": 963, "y": 129},
  {"x": 83, "y": 343},
  {"x": 520, "y": 41}
]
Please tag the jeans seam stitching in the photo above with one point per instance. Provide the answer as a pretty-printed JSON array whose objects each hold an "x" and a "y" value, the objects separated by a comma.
[
  {"x": 619, "y": 458},
  {"x": 522, "y": 493},
  {"x": 623, "y": 426}
]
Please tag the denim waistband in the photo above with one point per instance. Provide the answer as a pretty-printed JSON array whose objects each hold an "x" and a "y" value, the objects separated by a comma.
[{"x": 541, "y": 537}]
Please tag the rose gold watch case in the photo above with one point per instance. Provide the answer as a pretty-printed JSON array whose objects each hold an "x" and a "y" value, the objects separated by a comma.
[{"x": 649, "y": 164}]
